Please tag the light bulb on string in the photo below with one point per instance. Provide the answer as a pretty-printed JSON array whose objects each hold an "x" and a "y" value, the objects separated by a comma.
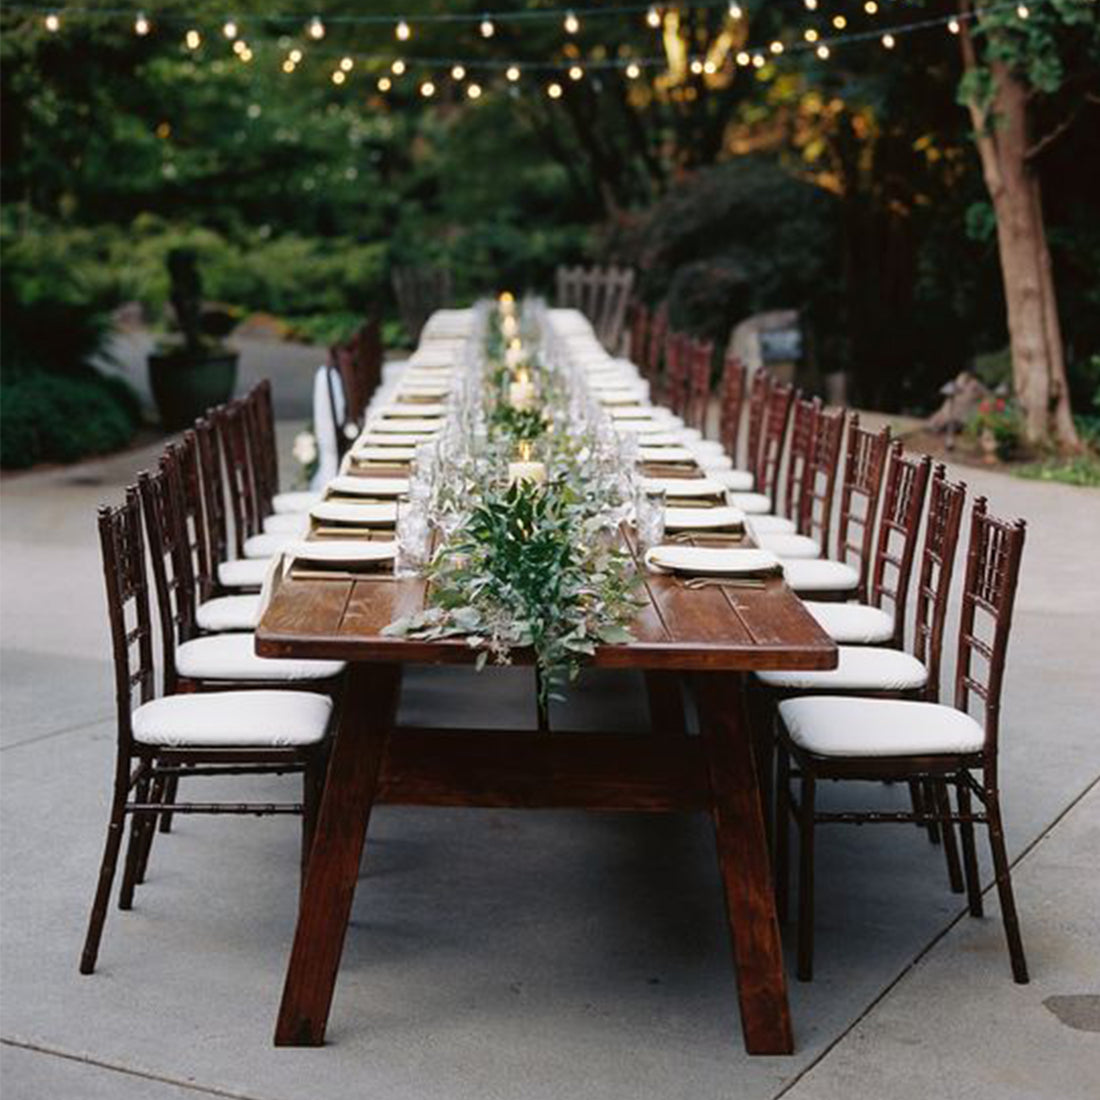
[
  {"x": 487, "y": 29},
  {"x": 239, "y": 46},
  {"x": 735, "y": 11},
  {"x": 398, "y": 67},
  {"x": 554, "y": 90},
  {"x": 776, "y": 47},
  {"x": 458, "y": 73},
  {"x": 810, "y": 34},
  {"x": 192, "y": 39},
  {"x": 289, "y": 66},
  {"x": 822, "y": 51},
  {"x": 953, "y": 26},
  {"x": 512, "y": 73},
  {"x": 757, "y": 60},
  {"x": 1022, "y": 11},
  {"x": 339, "y": 76},
  {"x": 871, "y": 8},
  {"x": 710, "y": 68},
  {"x": 696, "y": 66},
  {"x": 295, "y": 55},
  {"x": 811, "y": 5},
  {"x": 889, "y": 41},
  {"x": 576, "y": 72},
  {"x": 141, "y": 25},
  {"x": 633, "y": 71},
  {"x": 743, "y": 58},
  {"x": 571, "y": 23},
  {"x": 384, "y": 84},
  {"x": 427, "y": 89},
  {"x": 403, "y": 31},
  {"x": 229, "y": 29},
  {"x": 473, "y": 91},
  {"x": 246, "y": 55},
  {"x": 839, "y": 22},
  {"x": 346, "y": 64},
  {"x": 52, "y": 22},
  {"x": 653, "y": 17},
  {"x": 316, "y": 28}
]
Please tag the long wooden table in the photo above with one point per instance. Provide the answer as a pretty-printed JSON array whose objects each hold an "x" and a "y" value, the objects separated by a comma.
[{"x": 710, "y": 637}]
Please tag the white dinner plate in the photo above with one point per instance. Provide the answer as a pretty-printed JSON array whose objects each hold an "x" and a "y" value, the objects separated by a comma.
[
  {"x": 396, "y": 439},
  {"x": 404, "y": 425},
  {"x": 342, "y": 551},
  {"x": 680, "y": 519},
  {"x": 665, "y": 454},
  {"x": 346, "y": 511},
  {"x": 684, "y": 486},
  {"x": 384, "y": 454},
  {"x": 351, "y": 486},
  {"x": 711, "y": 561},
  {"x": 412, "y": 411}
]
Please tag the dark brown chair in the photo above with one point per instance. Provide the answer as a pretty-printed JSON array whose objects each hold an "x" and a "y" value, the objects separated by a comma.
[
  {"x": 770, "y": 434},
  {"x": 231, "y": 733},
  {"x": 602, "y": 294},
  {"x": 840, "y": 737},
  {"x": 733, "y": 401},
  {"x": 700, "y": 356},
  {"x": 420, "y": 292}
]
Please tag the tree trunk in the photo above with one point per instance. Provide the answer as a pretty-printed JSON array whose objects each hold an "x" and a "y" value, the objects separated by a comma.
[{"x": 1038, "y": 361}]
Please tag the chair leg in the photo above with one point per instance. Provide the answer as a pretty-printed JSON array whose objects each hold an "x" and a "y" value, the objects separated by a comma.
[
  {"x": 170, "y": 787},
  {"x": 150, "y": 831},
  {"x": 806, "y": 879},
  {"x": 138, "y": 824},
  {"x": 970, "y": 856},
  {"x": 1004, "y": 887},
  {"x": 916, "y": 800},
  {"x": 781, "y": 846},
  {"x": 98, "y": 917},
  {"x": 938, "y": 790},
  {"x": 930, "y": 804}
]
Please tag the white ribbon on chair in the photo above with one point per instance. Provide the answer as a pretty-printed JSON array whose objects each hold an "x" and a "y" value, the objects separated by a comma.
[{"x": 324, "y": 427}]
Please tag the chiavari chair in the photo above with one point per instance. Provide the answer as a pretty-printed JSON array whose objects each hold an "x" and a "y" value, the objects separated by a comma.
[
  {"x": 700, "y": 355},
  {"x": 274, "y": 503},
  {"x": 675, "y": 383},
  {"x": 639, "y": 334},
  {"x": 846, "y": 575},
  {"x": 840, "y": 737},
  {"x": 772, "y": 437},
  {"x": 729, "y": 421},
  {"x": 658, "y": 331},
  {"x": 228, "y": 733}
]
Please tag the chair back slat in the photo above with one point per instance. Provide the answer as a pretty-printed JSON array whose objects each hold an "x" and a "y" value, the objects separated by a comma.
[
  {"x": 993, "y": 557},
  {"x": 658, "y": 330},
  {"x": 639, "y": 334},
  {"x": 213, "y": 490},
  {"x": 231, "y": 426},
  {"x": 902, "y": 504},
  {"x": 815, "y": 514},
  {"x": 864, "y": 466},
  {"x": 194, "y": 514},
  {"x": 797, "y": 483},
  {"x": 759, "y": 389},
  {"x": 420, "y": 291},
  {"x": 777, "y": 419},
  {"x": 700, "y": 360},
  {"x": 733, "y": 400},
  {"x": 123, "y": 551}
]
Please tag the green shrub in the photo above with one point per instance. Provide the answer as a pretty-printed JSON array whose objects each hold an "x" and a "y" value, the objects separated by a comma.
[
  {"x": 1083, "y": 470},
  {"x": 1002, "y": 418},
  {"x": 63, "y": 417}
]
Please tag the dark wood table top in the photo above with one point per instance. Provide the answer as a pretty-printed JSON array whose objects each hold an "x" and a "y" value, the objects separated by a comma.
[{"x": 677, "y": 628}]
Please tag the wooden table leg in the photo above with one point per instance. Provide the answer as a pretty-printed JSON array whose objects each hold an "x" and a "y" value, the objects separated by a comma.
[
  {"x": 367, "y": 715},
  {"x": 666, "y": 703},
  {"x": 743, "y": 861}
]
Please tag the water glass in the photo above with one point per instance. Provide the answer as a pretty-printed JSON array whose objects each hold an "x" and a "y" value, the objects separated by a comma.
[
  {"x": 413, "y": 536},
  {"x": 649, "y": 518}
]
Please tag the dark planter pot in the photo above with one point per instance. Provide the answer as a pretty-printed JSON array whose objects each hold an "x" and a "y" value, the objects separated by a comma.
[{"x": 184, "y": 386}]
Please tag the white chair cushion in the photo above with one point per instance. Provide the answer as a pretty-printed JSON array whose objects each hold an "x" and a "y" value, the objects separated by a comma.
[
  {"x": 859, "y": 668},
  {"x": 229, "y": 613},
  {"x": 737, "y": 481},
  {"x": 820, "y": 575},
  {"x": 852, "y": 623},
  {"x": 772, "y": 525},
  {"x": 232, "y": 719},
  {"x": 287, "y": 523},
  {"x": 835, "y": 725},
  {"x": 233, "y": 657},
  {"x": 788, "y": 545},
  {"x": 242, "y": 573},
  {"x": 707, "y": 448},
  {"x": 299, "y": 501},
  {"x": 267, "y": 546},
  {"x": 751, "y": 503},
  {"x": 716, "y": 463}
]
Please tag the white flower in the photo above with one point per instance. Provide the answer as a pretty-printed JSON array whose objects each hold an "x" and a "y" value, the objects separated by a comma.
[{"x": 305, "y": 448}]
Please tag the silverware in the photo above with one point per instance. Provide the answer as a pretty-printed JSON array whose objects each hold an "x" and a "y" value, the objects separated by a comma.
[
  {"x": 352, "y": 531},
  {"x": 336, "y": 575},
  {"x": 714, "y": 536},
  {"x": 696, "y": 583}
]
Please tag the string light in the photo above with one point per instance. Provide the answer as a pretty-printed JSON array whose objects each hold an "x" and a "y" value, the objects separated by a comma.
[
  {"x": 758, "y": 61},
  {"x": 512, "y": 73},
  {"x": 736, "y": 12},
  {"x": 776, "y": 47},
  {"x": 633, "y": 71},
  {"x": 696, "y": 66},
  {"x": 889, "y": 41},
  {"x": 384, "y": 84},
  {"x": 427, "y": 89},
  {"x": 870, "y": 7},
  {"x": 743, "y": 58},
  {"x": 346, "y": 64},
  {"x": 473, "y": 91},
  {"x": 710, "y": 68},
  {"x": 576, "y": 72},
  {"x": 839, "y": 22},
  {"x": 230, "y": 29},
  {"x": 239, "y": 45},
  {"x": 193, "y": 40},
  {"x": 402, "y": 31},
  {"x": 245, "y": 55},
  {"x": 52, "y": 22},
  {"x": 811, "y": 5},
  {"x": 458, "y": 73},
  {"x": 822, "y": 51},
  {"x": 295, "y": 55},
  {"x": 571, "y": 23},
  {"x": 141, "y": 25},
  {"x": 1022, "y": 11},
  {"x": 554, "y": 91},
  {"x": 487, "y": 29},
  {"x": 339, "y": 76},
  {"x": 289, "y": 66},
  {"x": 653, "y": 17},
  {"x": 810, "y": 35},
  {"x": 952, "y": 26},
  {"x": 316, "y": 29},
  {"x": 398, "y": 67}
]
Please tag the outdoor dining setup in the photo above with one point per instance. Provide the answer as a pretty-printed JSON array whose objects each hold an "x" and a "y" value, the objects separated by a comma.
[{"x": 516, "y": 493}]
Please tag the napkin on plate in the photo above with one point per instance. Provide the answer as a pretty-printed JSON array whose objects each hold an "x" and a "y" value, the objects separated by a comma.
[
  {"x": 721, "y": 518},
  {"x": 346, "y": 555},
  {"x": 355, "y": 513},
  {"x": 705, "y": 561},
  {"x": 348, "y": 485}
]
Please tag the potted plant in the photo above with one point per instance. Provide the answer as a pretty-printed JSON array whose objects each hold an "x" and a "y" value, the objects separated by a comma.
[{"x": 195, "y": 371}]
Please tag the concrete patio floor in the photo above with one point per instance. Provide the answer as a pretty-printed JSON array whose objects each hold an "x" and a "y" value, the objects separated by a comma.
[{"x": 533, "y": 955}]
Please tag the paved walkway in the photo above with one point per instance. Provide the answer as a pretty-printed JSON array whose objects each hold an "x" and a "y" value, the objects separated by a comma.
[{"x": 535, "y": 955}]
